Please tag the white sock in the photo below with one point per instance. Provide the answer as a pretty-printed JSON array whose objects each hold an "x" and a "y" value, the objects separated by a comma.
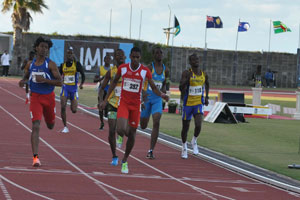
[
  {"x": 184, "y": 145},
  {"x": 195, "y": 138}
]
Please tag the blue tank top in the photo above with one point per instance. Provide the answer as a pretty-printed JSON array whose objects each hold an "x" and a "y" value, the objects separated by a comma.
[
  {"x": 40, "y": 88},
  {"x": 158, "y": 80}
]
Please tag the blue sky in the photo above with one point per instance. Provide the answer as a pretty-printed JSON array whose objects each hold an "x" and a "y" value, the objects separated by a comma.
[{"x": 91, "y": 17}]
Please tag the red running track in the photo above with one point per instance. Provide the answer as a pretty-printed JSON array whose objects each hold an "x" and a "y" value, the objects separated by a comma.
[{"x": 77, "y": 165}]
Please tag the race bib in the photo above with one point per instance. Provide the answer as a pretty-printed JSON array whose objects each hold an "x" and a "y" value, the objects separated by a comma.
[
  {"x": 117, "y": 91},
  {"x": 69, "y": 79},
  {"x": 157, "y": 84},
  {"x": 195, "y": 90},
  {"x": 131, "y": 85},
  {"x": 34, "y": 74}
]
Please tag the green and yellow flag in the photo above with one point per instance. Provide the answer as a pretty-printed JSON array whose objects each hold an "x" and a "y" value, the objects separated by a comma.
[{"x": 280, "y": 27}]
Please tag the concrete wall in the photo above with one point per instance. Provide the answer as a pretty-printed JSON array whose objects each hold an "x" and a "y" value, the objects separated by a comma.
[{"x": 219, "y": 63}]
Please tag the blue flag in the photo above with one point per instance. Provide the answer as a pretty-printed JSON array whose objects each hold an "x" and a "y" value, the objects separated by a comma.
[
  {"x": 213, "y": 22},
  {"x": 243, "y": 26}
]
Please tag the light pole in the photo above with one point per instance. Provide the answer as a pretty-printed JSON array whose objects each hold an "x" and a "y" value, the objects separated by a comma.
[{"x": 130, "y": 19}]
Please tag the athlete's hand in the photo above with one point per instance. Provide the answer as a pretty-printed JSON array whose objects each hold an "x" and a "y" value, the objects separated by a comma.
[
  {"x": 206, "y": 101},
  {"x": 39, "y": 78},
  {"x": 103, "y": 105},
  {"x": 164, "y": 96},
  {"x": 22, "y": 83},
  {"x": 80, "y": 86}
]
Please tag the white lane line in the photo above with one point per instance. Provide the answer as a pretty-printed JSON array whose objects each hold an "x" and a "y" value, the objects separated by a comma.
[
  {"x": 23, "y": 188},
  {"x": 200, "y": 190},
  {"x": 4, "y": 190},
  {"x": 73, "y": 165}
]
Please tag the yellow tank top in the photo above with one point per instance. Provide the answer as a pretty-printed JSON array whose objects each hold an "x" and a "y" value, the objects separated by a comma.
[
  {"x": 195, "y": 90},
  {"x": 114, "y": 97},
  {"x": 102, "y": 71},
  {"x": 70, "y": 74}
]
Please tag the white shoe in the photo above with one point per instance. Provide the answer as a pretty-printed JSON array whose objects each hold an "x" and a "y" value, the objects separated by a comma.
[
  {"x": 65, "y": 130},
  {"x": 184, "y": 153},
  {"x": 195, "y": 146}
]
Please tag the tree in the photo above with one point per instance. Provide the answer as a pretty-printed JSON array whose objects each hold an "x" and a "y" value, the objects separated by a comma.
[{"x": 21, "y": 19}]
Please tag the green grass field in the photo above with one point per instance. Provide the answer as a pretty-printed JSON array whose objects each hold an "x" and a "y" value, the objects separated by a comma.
[{"x": 268, "y": 143}]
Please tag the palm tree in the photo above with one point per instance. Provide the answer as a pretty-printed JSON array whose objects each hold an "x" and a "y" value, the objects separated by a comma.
[{"x": 21, "y": 19}]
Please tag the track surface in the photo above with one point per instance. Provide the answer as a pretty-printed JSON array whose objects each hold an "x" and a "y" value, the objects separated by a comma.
[{"x": 77, "y": 165}]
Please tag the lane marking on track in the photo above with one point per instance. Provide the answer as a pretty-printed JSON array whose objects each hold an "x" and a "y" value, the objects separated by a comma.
[
  {"x": 23, "y": 188},
  {"x": 200, "y": 190},
  {"x": 4, "y": 190},
  {"x": 97, "y": 182}
]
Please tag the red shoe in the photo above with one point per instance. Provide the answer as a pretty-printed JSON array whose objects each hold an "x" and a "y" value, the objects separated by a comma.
[{"x": 36, "y": 162}]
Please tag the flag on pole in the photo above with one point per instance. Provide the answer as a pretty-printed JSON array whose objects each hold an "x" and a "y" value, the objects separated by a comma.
[
  {"x": 280, "y": 27},
  {"x": 177, "y": 26},
  {"x": 213, "y": 22},
  {"x": 243, "y": 26}
]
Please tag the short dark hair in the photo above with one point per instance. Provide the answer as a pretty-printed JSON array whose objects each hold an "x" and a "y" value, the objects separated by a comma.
[
  {"x": 40, "y": 40},
  {"x": 193, "y": 54},
  {"x": 136, "y": 49},
  {"x": 156, "y": 47},
  {"x": 117, "y": 51}
]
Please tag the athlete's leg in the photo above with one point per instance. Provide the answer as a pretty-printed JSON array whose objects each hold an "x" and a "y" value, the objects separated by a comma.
[
  {"x": 145, "y": 115},
  {"x": 130, "y": 143},
  {"x": 100, "y": 114},
  {"x": 35, "y": 136},
  {"x": 155, "y": 130},
  {"x": 112, "y": 135},
  {"x": 63, "y": 103},
  {"x": 198, "y": 118}
]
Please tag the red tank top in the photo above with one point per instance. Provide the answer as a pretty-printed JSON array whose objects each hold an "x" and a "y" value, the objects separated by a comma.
[{"x": 132, "y": 83}]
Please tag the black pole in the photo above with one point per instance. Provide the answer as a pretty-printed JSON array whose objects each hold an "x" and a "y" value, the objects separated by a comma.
[
  {"x": 235, "y": 63},
  {"x": 204, "y": 59},
  {"x": 298, "y": 68}
]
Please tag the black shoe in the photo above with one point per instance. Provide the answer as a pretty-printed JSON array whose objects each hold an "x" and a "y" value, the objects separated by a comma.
[
  {"x": 102, "y": 126},
  {"x": 150, "y": 155}
]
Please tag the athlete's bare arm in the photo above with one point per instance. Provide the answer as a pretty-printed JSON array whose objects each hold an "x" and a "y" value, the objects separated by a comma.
[
  {"x": 156, "y": 91},
  {"x": 26, "y": 75},
  {"x": 164, "y": 86},
  {"x": 104, "y": 84},
  {"x": 112, "y": 86},
  {"x": 185, "y": 78},
  {"x": 206, "y": 89}
]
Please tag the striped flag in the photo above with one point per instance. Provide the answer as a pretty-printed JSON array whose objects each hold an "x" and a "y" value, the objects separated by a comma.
[{"x": 280, "y": 27}]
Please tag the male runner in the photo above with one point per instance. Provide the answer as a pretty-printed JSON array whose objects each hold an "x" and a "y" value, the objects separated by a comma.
[
  {"x": 133, "y": 76},
  {"x": 99, "y": 78},
  {"x": 113, "y": 102},
  {"x": 29, "y": 59},
  {"x": 69, "y": 71},
  {"x": 43, "y": 76},
  {"x": 193, "y": 83},
  {"x": 153, "y": 104}
]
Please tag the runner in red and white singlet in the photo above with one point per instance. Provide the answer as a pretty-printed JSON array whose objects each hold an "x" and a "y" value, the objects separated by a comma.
[{"x": 133, "y": 76}]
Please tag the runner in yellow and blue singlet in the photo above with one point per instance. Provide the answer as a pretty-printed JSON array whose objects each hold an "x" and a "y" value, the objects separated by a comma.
[
  {"x": 193, "y": 84},
  {"x": 69, "y": 90}
]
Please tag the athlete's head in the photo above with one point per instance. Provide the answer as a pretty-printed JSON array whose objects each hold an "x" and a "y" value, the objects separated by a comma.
[
  {"x": 31, "y": 55},
  {"x": 42, "y": 46},
  {"x": 70, "y": 54},
  {"x": 135, "y": 56},
  {"x": 157, "y": 53},
  {"x": 119, "y": 56},
  {"x": 107, "y": 60},
  {"x": 194, "y": 60}
]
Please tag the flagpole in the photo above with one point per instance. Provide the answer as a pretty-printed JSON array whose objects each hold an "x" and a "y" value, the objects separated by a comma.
[
  {"x": 235, "y": 61},
  {"x": 110, "y": 22},
  {"x": 268, "y": 55},
  {"x": 237, "y": 36},
  {"x": 205, "y": 48},
  {"x": 140, "y": 24}
]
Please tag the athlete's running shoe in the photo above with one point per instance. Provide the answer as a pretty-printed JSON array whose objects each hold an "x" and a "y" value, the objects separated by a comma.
[
  {"x": 101, "y": 126},
  {"x": 119, "y": 142},
  {"x": 195, "y": 146},
  {"x": 184, "y": 153},
  {"x": 124, "y": 169},
  {"x": 36, "y": 162},
  {"x": 150, "y": 155},
  {"x": 65, "y": 130},
  {"x": 114, "y": 161}
]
